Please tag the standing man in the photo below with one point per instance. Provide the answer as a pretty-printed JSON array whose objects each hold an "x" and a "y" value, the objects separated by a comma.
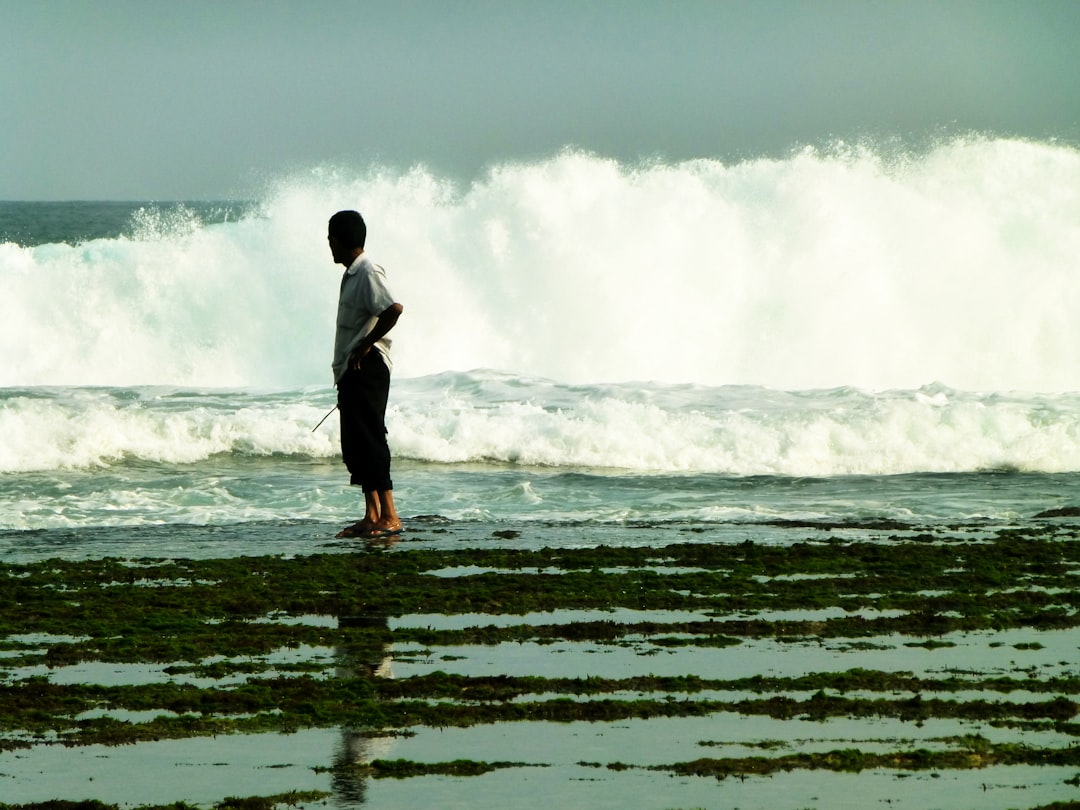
[{"x": 366, "y": 312}]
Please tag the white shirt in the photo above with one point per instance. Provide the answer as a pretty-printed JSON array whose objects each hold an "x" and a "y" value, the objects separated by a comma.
[{"x": 363, "y": 298}]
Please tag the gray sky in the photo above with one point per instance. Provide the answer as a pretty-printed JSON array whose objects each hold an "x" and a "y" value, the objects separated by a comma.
[{"x": 161, "y": 99}]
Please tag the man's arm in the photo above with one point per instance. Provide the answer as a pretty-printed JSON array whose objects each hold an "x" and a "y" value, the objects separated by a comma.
[{"x": 384, "y": 324}]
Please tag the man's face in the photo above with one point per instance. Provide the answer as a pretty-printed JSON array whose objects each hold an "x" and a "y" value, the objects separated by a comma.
[{"x": 335, "y": 249}]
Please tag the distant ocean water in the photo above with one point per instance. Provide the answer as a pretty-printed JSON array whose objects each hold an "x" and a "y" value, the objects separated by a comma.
[{"x": 842, "y": 336}]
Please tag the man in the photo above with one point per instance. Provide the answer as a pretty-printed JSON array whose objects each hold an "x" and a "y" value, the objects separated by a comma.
[{"x": 366, "y": 312}]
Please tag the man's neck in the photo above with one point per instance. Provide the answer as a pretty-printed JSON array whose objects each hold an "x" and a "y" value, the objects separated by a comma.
[{"x": 351, "y": 257}]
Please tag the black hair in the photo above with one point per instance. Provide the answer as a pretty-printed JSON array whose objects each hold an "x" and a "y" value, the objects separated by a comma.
[{"x": 348, "y": 228}]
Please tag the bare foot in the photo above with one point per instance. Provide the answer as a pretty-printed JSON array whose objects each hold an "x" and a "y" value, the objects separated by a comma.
[
  {"x": 381, "y": 529},
  {"x": 358, "y": 529}
]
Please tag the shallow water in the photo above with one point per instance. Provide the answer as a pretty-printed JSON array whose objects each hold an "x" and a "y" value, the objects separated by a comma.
[
  {"x": 205, "y": 770},
  {"x": 570, "y": 762},
  {"x": 971, "y": 654}
]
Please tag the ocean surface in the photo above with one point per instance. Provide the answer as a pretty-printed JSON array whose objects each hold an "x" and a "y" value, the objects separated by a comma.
[{"x": 847, "y": 335}]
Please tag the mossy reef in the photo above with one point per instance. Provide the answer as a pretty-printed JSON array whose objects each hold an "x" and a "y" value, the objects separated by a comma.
[{"x": 274, "y": 644}]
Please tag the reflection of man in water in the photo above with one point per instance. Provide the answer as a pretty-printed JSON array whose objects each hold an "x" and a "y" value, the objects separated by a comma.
[
  {"x": 366, "y": 312},
  {"x": 368, "y": 657}
]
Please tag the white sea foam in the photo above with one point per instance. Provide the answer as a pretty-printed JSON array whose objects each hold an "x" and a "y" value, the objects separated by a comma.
[
  {"x": 87, "y": 428},
  {"x": 841, "y": 268},
  {"x": 743, "y": 431},
  {"x": 495, "y": 418}
]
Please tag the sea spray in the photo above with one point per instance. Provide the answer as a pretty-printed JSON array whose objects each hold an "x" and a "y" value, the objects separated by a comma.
[
  {"x": 493, "y": 419},
  {"x": 845, "y": 267}
]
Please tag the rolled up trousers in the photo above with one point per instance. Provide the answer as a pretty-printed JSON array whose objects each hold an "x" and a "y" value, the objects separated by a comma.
[{"x": 362, "y": 397}]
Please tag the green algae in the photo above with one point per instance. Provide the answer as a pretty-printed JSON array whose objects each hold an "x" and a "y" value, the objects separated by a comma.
[
  {"x": 977, "y": 754},
  {"x": 218, "y": 630},
  {"x": 442, "y": 700},
  {"x": 404, "y": 769},
  {"x": 969, "y": 577}
]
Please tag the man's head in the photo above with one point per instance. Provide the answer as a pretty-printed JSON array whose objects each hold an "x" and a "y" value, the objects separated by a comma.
[{"x": 347, "y": 234}]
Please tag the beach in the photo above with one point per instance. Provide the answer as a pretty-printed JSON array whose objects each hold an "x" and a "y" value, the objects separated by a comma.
[
  {"x": 734, "y": 410},
  {"x": 814, "y": 547},
  {"x": 791, "y": 664}
]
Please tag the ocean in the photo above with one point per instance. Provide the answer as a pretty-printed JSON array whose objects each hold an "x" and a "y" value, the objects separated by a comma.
[
  {"x": 706, "y": 470},
  {"x": 849, "y": 334}
]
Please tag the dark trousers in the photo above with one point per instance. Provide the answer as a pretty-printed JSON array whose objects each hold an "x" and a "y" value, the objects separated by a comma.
[{"x": 362, "y": 396}]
